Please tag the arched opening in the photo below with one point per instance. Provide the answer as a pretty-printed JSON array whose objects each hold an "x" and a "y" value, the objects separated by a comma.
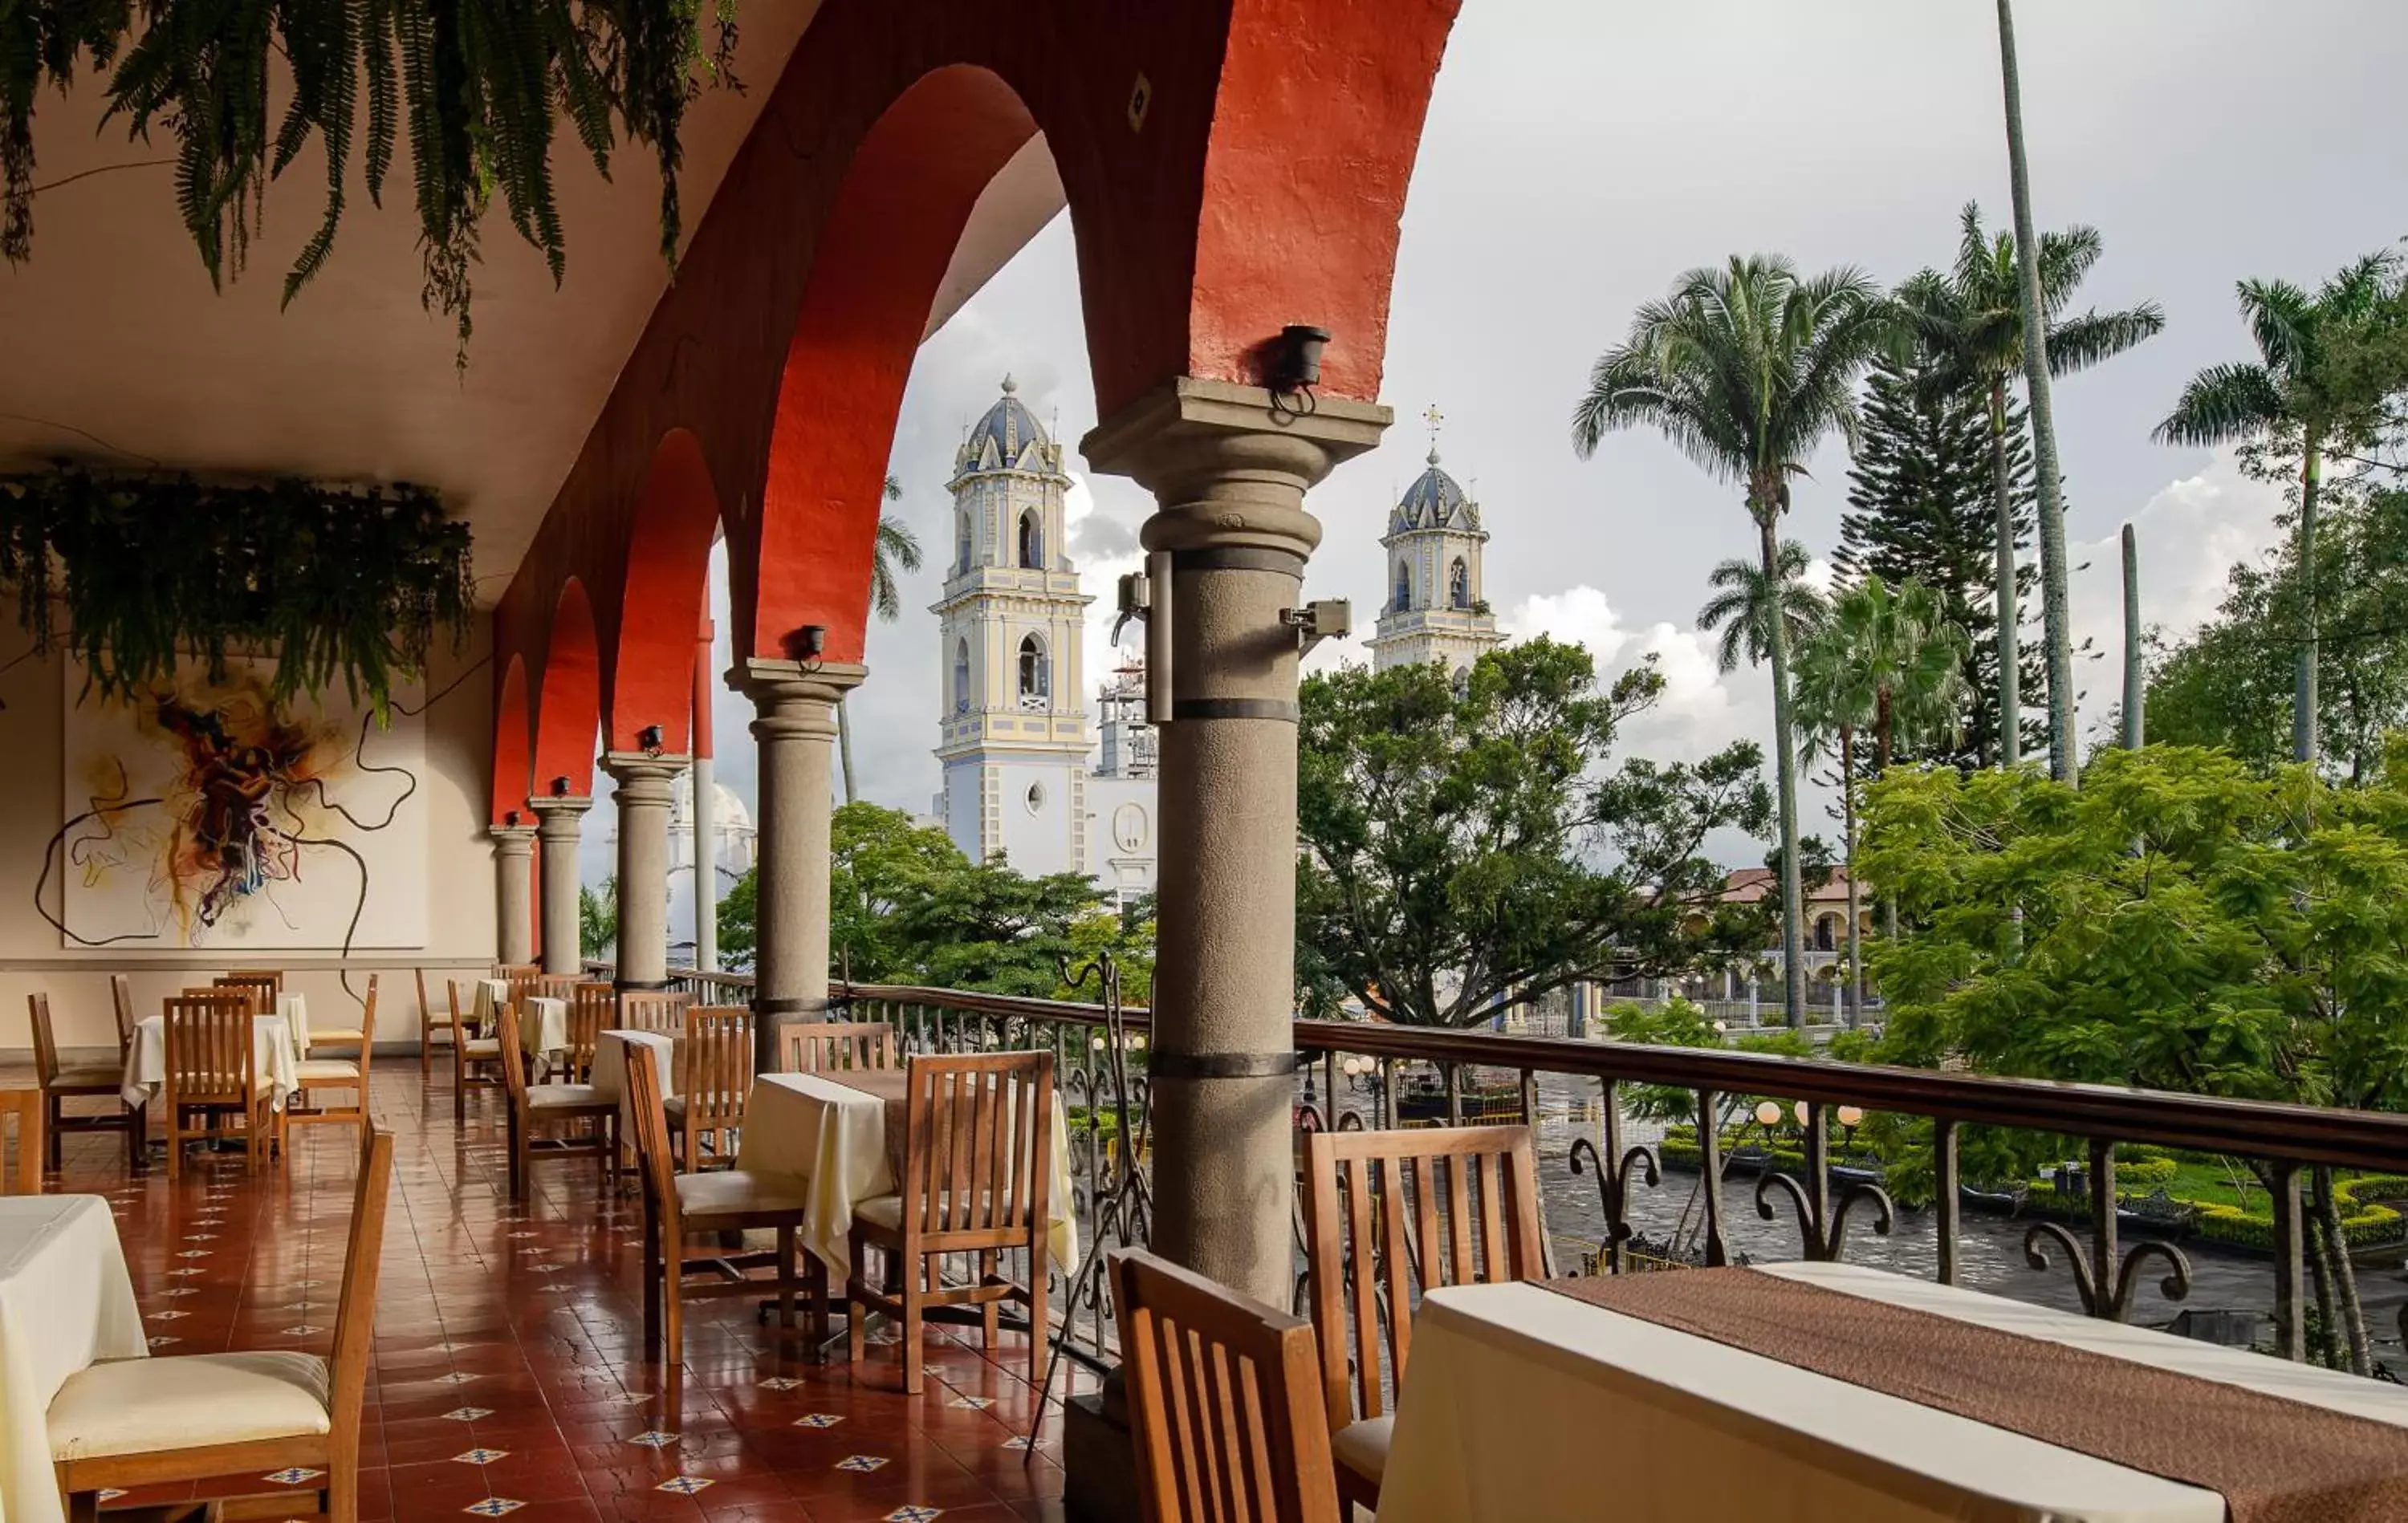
[
  {"x": 961, "y": 677},
  {"x": 1459, "y": 584},
  {"x": 513, "y": 746},
  {"x": 568, "y": 698},
  {"x": 1032, "y": 540},
  {"x": 667, "y": 593},
  {"x": 1404, "y": 587},
  {"x": 1036, "y": 678},
  {"x": 1826, "y": 932}
]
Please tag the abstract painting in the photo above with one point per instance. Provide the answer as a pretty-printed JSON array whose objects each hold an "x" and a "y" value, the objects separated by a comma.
[{"x": 208, "y": 815}]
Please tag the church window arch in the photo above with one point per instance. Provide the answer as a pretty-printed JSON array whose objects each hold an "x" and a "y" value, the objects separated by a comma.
[
  {"x": 962, "y": 541},
  {"x": 1459, "y": 584},
  {"x": 1035, "y": 673},
  {"x": 961, "y": 677},
  {"x": 1404, "y": 586},
  {"x": 1032, "y": 540}
]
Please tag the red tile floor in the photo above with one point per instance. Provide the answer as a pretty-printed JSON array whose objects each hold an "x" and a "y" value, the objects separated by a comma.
[{"x": 510, "y": 1375}]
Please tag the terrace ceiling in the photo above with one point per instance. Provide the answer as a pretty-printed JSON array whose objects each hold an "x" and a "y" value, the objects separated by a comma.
[{"x": 113, "y": 347}]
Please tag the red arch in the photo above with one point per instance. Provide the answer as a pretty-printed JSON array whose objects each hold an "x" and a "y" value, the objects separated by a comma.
[
  {"x": 513, "y": 744},
  {"x": 668, "y": 573},
  {"x": 889, "y": 238},
  {"x": 569, "y": 700}
]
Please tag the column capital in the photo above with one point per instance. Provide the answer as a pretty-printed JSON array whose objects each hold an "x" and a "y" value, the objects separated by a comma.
[
  {"x": 558, "y": 817},
  {"x": 513, "y": 840},
  {"x": 642, "y": 776},
  {"x": 1228, "y": 470},
  {"x": 795, "y": 700}
]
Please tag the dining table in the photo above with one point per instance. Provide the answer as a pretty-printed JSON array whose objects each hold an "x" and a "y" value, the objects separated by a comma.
[
  {"x": 1525, "y": 1400},
  {"x": 146, "y": 1059},
  {"x": 610, "y": 1079},
  {"x": 67, "y": 1302},
  {"x": 543, "y": 1021},
  {"x": 841, "y": 1132}
]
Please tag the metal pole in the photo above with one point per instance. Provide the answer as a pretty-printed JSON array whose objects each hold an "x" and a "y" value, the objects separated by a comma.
[{"x": 706, "y": 801}]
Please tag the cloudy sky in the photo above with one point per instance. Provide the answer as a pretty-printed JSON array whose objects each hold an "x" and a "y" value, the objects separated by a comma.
[{"x": 1582, "y": 153}]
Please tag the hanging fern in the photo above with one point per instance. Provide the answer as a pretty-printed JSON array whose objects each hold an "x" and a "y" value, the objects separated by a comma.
[
  {"x": 332, "y": 582},
  {"x": 476, "y": 85}
]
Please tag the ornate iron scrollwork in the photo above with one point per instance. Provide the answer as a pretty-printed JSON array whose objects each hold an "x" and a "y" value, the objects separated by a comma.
[
  {"x": 1613, "y": 1192},
  {"x": 2118, "y": 1305},
  {"x": 1825, "y": 1242}
]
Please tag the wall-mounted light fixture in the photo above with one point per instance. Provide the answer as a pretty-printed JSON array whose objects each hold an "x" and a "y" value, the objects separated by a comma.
[
  {"x": 559, "y": 787},
  {"x": 804, "y": 645},
  {"x": 650, "y": 737},
  {"x": 1294, "y": 369},
  {"x": 510, "y": 819}
]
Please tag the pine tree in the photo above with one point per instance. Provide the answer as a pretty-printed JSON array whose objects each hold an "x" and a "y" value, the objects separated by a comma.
[{"x": 1920, "y": 508}]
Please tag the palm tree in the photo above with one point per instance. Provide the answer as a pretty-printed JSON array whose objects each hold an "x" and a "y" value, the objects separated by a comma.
[
  {"x": 896, "y": 545},
  {"x": 1747, "y": 368},
  {"x": 597, "y": 917},
  {"x": 1970, "y": 320},
  {"x": 1888, "y": 662},
  {"x": 1742, "y": 599},
  {"x": 2287, "y": 391}
]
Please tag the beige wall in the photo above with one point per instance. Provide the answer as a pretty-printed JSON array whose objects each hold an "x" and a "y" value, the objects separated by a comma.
[{"x": 459, "y": 876}]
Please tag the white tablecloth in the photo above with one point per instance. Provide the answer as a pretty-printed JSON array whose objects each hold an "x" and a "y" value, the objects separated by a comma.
[
  {"x": 65, "y": 1303},
  {"x": 611, "y": 1071},
  {"x": 295, "y": 1011},
  {"x": 834, "y": 1138},
  {"x": 146, "y": 1060},
  {"x": 1522, "y": 1403},
  {"x": 490, "y": 994}
]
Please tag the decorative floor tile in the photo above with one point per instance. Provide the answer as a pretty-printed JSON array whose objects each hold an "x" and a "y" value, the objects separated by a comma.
[
  {"x": 819, "y": 1420},
  {"x": 493, "y": 1506},
  {"x": 299, "y": 1329},
  {"x": 781, "y": 1383},
  {"x": 190, "y": 1271},
  {"x": 194, "y": 1253},
  {"x": 457, "y": 1377},
  {"x": 862, "y": 1464},
  {"x": 556, "y": 1290},
  {"x": 1020, "y": 1442},
  {"x": 161, "y": 1341},
  {"x": 481, "y": 1457},
  {"x": 181, "y": 1291},
  {"x": 686, "y": 1486},
  {"x": 167, "y": 1315},
  {"x": 972, "y": 1403},
  {"x": 655, "y": 1439},
  {"x": 912, "y": 1512},
  {"x": 468, "y": 1414},
  {"x": 295, "y": 1476}
]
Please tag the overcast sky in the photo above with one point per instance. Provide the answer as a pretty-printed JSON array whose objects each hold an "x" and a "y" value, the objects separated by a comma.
[{"x": 1582, "y": 153}]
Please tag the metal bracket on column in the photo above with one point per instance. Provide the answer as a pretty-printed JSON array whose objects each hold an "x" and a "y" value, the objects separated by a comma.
[
  {"x": 1221, "y": 1065},
  {"x": 1324, "y": 619}
]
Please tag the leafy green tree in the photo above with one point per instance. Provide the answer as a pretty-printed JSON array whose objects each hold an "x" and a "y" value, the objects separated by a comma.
[
  {"x": 1921, "y": 508},
  {"x": 2293, "y": 404},
  {"x": 1886, "y": 663},
  {"x": 479, "y": 96},
  {"x": 880, "y": 861},
  {"x": 1453, "y": 833},
  {"x": 597, "y": 917},
  {"x": 1747, "y": 369},
  {"x": 1741, "y": 606},
  {"x": 895, "y": 546},
  {"x": 2186, "y": 922},
  {"x": 1970, "y": 320}
]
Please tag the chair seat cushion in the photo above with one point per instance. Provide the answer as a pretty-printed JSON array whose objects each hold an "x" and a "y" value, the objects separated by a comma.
[
  {"x": 335, "y": 1037},
  {"x": 186, "y": 1401},
  {"x": 732, "y": 1192},
  {"x": 553, "y": 1096},
  {"x": 1363, "y": 1446},
  {"x": 482, "y": 1047},
  {"x": 89, "y": 1077},
  {"x": 327, "y": 1071}
]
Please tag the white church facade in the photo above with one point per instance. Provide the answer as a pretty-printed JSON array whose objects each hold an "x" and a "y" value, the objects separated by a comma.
[
  {"x": 1434, "y": 609},
  {"x": 1015, "y": 738}
]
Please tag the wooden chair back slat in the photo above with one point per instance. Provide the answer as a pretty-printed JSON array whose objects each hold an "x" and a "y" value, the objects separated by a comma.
[
  {"x": 210, "y": 1058},
  {"x": 120, "y": 994},
  {"x": 514, "y": 1071},
  {"x": 552, "y": 986},
  {"x": 654, "y": 1163},
  {"x": 261, "y": 988},
  {"x": 825, "y": 1046},
  {"x": 662, "y": 1010},
  {"x": 978, "y": 1132},
  {"x": 592, "y": 1008},
  {"x": 714, "y": 1078},
  {"x": 1391, "y": 1214},
  {"x": 46, "y": 1042},
  {"x": 363, "y": 1254},
  {"x": 33, "y": 1143},
  {"x": 1223, "y": 1399}
]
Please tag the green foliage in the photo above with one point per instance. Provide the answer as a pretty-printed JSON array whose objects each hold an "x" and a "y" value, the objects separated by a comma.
[
  {"x": 597, "y": 917},
  {"x": 477, "y": 89},
  {"x": 330, "y": 581},
  {"x": 1680, "y": 1023},
  {"x": 1743, "y": 600},
  {"x": 1451, "y": 830}
]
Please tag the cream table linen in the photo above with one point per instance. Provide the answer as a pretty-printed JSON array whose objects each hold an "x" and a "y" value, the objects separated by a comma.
[
  {"x": 833, "y": 1137},
  {"x": 66, "y": 1301},
  {"x": 146, "y": 1058},
  {"x": 295, "y": 1008},
  {"x": 611, "y": 1069},
  {"x": 491, "y": 994},
  {"x": 1524, "y": 1403}
]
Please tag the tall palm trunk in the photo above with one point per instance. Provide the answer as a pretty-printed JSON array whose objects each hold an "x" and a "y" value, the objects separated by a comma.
[
  {"x": 1848, "y": 826},
  {"x": 2303, "y": 691},
  {"x": 2135, "y": 677},
  {"x": 2011, "y": 651},
  {"x": 844, "y": 747},
  {"x": 2057, "y": 616},
  {"x": 1785, "y": 750}
]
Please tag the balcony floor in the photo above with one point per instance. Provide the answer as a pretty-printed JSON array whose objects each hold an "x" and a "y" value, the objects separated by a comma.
[{"x": 519, "y": 1331}]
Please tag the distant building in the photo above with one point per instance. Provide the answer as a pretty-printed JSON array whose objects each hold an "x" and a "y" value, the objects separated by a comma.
[
  {"x": 1013, "y": 735},
  {"x": 735, "y": 846},
  {"x": 1435, "y": 610}
]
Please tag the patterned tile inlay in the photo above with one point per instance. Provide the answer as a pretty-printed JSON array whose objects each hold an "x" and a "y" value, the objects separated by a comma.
[
  {"x": 161, "y": 1340},
  {"x": 493, "y": 1507},
  {"x": 686, "y": 1486},
  {"x": 468, "y": 1414},
  {"x": 295, "y": 1476},
  {"x": 654, "y": 1440},
  {"x": 299, "y": 1329},
  {"x": 457, "y": 1377},
  {"x": 862, "y": 1464},
  {"x": 912, "y": 1512},
  {"x": 972, "y": 1403},
  {"x": 1019, "y": 1443},
  {"x": 481, "y": 1457},
  {"x": 819, "y": 1420},
  {"x": 781, "y": 1383}
]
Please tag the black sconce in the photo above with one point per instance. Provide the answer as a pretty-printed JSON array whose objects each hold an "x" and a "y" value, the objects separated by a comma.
[
  {"x": 510, "y": 819},
  {"x": 559, "y": 787},
  {"x": 1295, "y": 368},
  {"x": 649, "y": 737},
  {"x": 804, "y": 645}
]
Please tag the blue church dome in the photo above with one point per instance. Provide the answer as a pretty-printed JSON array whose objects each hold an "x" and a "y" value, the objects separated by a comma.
[
  {"x": 1001, "y": 440},
  {"x": 1435, "y": 501}
]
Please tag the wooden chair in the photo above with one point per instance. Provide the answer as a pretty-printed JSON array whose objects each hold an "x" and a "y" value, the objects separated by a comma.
[
  {"x": 476, "y": 1061},
  {"x": 521, "y": 979},
  {"x": 1225, "y": 1400},
  {"x": 274, "y": 977},
  {"x": 549, "y": 986},
  {"x": 593, "y": 1008},
  {"x": 261, "y": 988},
  {"x": 338, "y": 1074},
  {"x": 213, "y": 1073},
  {"x": 545, "y": 1118},
  {"x": 977, "y": 1165},
  {"x": 714, "y": 1081},
  {"x": 653, "y": 1011},
  {"x": 823, "y": 1046},
  {"x": 184, "y": 1417},
  {"x": 680, "y": 1206},
  {"x": 342, "y": 1037},
  {"x": 431, "y": 1021},
  {"x": 59, "y": 1083},
  {"x": 27, "y": 1106},
  {"x": 120, "y": 993},
  {"x": 1388, "y": 1214}
]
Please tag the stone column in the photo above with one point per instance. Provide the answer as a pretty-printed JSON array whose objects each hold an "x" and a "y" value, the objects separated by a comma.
[
  {"x": 795, "y": 729},
  {"x": 557, "y": 822},
  {"x": 643, "y": 795},
  {"x": 1230, "y": 476},
  {"x": 514, "y": 918}
]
